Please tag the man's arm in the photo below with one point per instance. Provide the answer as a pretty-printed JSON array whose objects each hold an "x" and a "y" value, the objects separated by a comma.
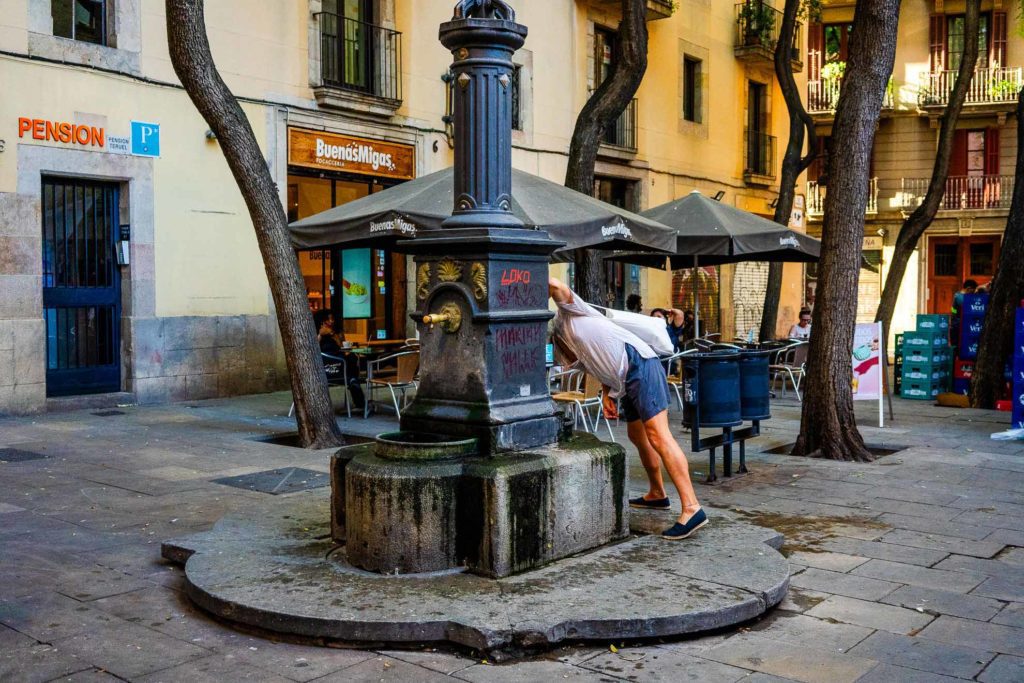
[
  {"x": 676, "y": 316},
  {"x": 558, "y": 291}
]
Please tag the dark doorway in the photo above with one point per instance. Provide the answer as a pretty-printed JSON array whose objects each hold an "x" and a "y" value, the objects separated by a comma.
[{"x": 81, "y": 287}]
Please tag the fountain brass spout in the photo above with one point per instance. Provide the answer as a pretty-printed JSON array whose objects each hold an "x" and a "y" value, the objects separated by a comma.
[{"x": 449, "y": 318}]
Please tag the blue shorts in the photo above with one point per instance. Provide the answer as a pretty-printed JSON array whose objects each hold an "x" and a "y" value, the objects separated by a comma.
[{"x": 646, "y": 387}]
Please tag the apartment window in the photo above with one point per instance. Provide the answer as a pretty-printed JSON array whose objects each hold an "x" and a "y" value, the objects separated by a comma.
[
  {"x": 605, "y": 44},
  {"x": 691, "y": 89},
  {"x": 760, "y": 145},
  {"x": 517, "y": 94},
  {"x": 836, "y": 39},
  {"x": 83, "y": 20},
  {"x": 955, "y": 42}
]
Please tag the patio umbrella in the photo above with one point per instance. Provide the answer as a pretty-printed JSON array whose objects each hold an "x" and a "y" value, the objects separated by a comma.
[
  {"x": 710, "y": 233},
  {"x": 418, "y": 207}
]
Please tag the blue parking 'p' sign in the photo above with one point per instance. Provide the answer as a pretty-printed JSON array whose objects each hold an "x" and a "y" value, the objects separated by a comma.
[{"x": 145, "y": 139}]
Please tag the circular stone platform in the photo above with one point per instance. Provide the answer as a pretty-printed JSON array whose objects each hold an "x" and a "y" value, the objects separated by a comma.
[{"x": 278, "y": 570}]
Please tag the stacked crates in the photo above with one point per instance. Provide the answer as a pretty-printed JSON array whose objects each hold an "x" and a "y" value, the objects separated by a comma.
[
  {"x": 926, "y": 358},
  {"x": 972, "y": 317},
  {"x": 1017, "y": 364},
  {"x": 897, "y": 372}
]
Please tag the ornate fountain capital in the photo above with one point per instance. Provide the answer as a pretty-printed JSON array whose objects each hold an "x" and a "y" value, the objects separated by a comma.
[{"x": 484, "y": 9}]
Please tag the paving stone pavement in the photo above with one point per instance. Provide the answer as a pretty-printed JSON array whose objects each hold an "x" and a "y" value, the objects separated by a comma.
[{"x": 910, "y": 568}]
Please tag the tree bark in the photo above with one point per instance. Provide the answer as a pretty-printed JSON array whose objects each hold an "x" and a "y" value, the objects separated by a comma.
[
  {"x": 920, "y": 218},
  {"x": 828, "y": 427},
  {"x": 793, "y": 163},
  {"x": 193, "y": 63},
  {"x": 997, "y": 335},
  {"x": 606, "y": 104}
]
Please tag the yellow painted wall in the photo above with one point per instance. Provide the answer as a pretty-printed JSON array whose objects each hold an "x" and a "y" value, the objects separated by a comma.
[{"x": 207, "y": 262}]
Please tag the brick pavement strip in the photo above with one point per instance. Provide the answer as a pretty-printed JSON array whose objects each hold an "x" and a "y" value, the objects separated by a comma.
[
  {"x": 1012, "y": 615},
  {"x": 656, "y": 664},
  {"x": 948, "y": 544},
  {"x": 897, "y": 572},
  {"x": 796, "y": 662},
  {"x": 1003, "y": 669},
  {"x": 835, "y": 583},
  {"x": 923, "y": 655},
  {"x": 884, "y": 551},
  {"x": 836, "y": 562},
  {"x": 888, "y": 673},
  {"x": 926, "y": 525},
  {"x": 798, "y": 629},
  {"x": 129, "y": 650},
  {"x": 976, "y": 634},
  {"x": 870, "y": 614},
  {"x": 944, "y": 602}
]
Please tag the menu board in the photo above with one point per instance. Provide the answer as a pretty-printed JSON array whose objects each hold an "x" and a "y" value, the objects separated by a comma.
[{"x": 356, "y": 299}]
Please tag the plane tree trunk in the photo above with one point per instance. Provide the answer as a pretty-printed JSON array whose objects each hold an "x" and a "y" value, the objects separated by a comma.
[
  {"x": 828, "y": 427},
  {"x": 605, "y": 105},
  {"x": 193, "y": 63},
  {"x": 921, "y": 217},
  {"x": 794, "y": 162}
]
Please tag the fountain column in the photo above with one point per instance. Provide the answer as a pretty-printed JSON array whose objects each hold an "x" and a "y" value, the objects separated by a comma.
[
  {"x": 476, "y": 478},
  {"x": 481, "y": 287}
]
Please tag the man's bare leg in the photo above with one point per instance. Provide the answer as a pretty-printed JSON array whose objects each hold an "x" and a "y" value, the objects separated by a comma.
[
  {"x": 660, "y": 437},
  {"x": 650, "y": 459}
]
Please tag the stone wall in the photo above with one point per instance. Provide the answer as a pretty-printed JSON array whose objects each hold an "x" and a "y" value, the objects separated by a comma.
[{"x": 191, "y": 357}]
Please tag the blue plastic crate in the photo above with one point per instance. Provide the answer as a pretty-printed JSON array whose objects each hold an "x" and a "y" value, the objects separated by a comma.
[
  {"x": 969, "y": 351},
  {"x": 920, "y": 391},
  {"x": 962, "y": 386},
  {"x": 1018, "y": 334},
  {"x": 974, "y": 304},
  {"x": 933, "y": 355}
]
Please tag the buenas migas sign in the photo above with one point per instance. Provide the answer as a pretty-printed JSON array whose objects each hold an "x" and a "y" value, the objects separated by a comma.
[{"x": 330, "y": 151}]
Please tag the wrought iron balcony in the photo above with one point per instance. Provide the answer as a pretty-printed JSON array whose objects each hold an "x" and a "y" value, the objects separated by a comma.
[
  {"x": 758, "y": 25},
  {"x": 622, "y": 134},
  {"x": 991, "y": 192},
  {"x": 992, "y": 86},
  {"x": 758, "y": 156},
  {"x": 823, "y": 92},
  {"x": 816, "y": 198},
  {"x": 656, "y": 9},
  {"x": 359, "y": 57}
]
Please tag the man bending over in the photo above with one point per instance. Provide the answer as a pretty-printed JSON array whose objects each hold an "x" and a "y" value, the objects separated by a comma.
[{"x": 627, "y": 367}]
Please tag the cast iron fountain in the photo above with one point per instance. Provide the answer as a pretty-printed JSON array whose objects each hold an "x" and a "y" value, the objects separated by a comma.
[{"x": 481, "y": 521}]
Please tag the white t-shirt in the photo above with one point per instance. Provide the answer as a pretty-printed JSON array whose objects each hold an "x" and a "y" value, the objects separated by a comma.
[
  {"x": 598, "y": 343},
  {"x": 798, "y": 332}
]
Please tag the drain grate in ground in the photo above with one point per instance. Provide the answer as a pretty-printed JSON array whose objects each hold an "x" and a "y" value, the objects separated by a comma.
[
  {"x": 877, "y": 451},
  {"x": 19, "y": 455},
  {"x": 276, "y": 482},
  {"x": 108, "y": 413},
  {"x": 291, "y": 439}
]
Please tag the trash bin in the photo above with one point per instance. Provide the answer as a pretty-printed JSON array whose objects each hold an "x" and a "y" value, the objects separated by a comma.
[
  {"x": 755, "y": 403},
  {"x": 713, "y": 379}
]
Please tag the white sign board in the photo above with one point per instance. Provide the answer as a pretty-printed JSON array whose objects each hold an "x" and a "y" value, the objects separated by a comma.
[{"x": 868, "y": 350}]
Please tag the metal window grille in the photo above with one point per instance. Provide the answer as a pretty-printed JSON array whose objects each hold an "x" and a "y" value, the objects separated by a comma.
[{"x": 356, "y": 55}]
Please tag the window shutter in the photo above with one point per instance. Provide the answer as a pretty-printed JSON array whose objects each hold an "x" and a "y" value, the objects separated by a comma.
[
  {"x": 958, "y": 160},
  {"x": 992, "y": 151},
  {"x": 937, "y": 42},
  {"x": 815, "y": 50},
  {"x": 998, "y": 50}
]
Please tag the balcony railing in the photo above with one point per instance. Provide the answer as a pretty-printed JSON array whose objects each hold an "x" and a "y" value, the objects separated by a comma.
[
  {"x": 816, "y": 198},
  {"x": 997, "y": 85},
  {"x": 758, "y": 25},
  {"x": 361, "y": 57},
  {"x": 759, "y": 154},
  {"x": 823, "y": 92},
  {"x": 622, "y": 133},
  {"x": 962, "y": 192}
]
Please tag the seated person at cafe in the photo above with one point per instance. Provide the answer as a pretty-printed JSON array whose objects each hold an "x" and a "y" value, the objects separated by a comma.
[
  {"x": 331, "y": 341},
  {"x": 802, "y": 330}
]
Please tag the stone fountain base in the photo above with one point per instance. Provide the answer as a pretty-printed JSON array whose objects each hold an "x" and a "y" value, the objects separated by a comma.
[{"x": 277, "y": 569}]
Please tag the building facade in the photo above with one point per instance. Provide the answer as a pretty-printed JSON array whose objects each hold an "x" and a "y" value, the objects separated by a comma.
[
  {"x": 963, "y": 241},
  {"x": 128, "y": 264}
]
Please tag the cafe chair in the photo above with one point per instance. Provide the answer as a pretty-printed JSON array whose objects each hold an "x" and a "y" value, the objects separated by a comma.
[
  {"x": 581, "y": 399},
  {"x": 674, "y": 373},
  {"x": 790, "y": 364},
  {"x": 398, "y": 381},
  {"x": 337, "y": 376}
]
